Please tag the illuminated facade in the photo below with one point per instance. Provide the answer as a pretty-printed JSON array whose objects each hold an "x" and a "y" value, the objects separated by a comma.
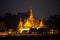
[{"x": 30, "y": 22}]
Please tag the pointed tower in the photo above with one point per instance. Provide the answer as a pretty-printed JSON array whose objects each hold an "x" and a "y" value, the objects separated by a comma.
[
  {"x": 20, "y": 23},
  {"x": 41, "y": 25},
  {"x": 31, "y": 16},
  {"x": 20, "y": 26},
  {"x": 29, "y": 22}
]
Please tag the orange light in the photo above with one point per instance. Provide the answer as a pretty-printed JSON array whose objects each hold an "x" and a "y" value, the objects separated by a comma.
[
  {"x": 22, "y": 29},
  {"x": 41, "y": 24},
  {"x": 28, "y": 24}
]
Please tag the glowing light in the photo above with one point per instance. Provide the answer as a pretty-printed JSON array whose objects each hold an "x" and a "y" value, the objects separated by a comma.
[
  {"x": 26, "y": 29},
  {"x": 28, "y": 24},
  {"x": 41, "y": 24},
  {"x": 9, "y": 32},
  {"x": 37, "y": 28},
  {"x": 21, "y": 23},
  {"x": 51, "y": 31},
  {"x": 31, "y": 16},
  {"x": 22, "y": 29}
]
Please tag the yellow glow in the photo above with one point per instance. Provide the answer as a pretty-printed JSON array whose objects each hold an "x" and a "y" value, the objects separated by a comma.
[
  {"x": 31, "y": 18},
  {"x": 41, "y": 24},
  {"x": 25, "y": 29},
  {"x": 22, "y": 29},
  {"x": 37, "y": 28},
  {"x": 9, "y": 32},
  {"x": 28, "y": 24},
  {"x": 21, "y": 23},
  {"x": 31, "y": 13}
]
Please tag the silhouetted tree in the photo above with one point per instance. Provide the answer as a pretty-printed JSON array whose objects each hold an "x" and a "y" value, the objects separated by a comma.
[
  {"x": 53, "y": 21},
  {"x": 32, "y": 30}
]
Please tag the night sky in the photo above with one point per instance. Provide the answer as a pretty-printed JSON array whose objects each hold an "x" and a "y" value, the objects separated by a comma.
[{"x": 40, "y": 7}]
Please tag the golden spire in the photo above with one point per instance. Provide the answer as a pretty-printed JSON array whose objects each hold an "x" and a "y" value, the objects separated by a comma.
[
  {"x": 41, "y": 25},
  {"x": 31, "y": 13},
  {"x": 20, "y": 23}
]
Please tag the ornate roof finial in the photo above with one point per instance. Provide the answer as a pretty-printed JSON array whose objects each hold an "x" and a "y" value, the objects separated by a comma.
[{"x": 31, "y": 13}]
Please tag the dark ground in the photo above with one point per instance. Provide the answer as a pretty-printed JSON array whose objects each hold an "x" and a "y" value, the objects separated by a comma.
[{"x": 51, "y": 37}]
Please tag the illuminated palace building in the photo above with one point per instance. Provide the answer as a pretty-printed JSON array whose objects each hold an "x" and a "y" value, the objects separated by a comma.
[{"x": 29, "y": 23}]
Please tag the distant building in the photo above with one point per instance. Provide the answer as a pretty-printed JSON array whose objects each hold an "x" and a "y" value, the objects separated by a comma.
[{"x": 30, "y": 22}]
